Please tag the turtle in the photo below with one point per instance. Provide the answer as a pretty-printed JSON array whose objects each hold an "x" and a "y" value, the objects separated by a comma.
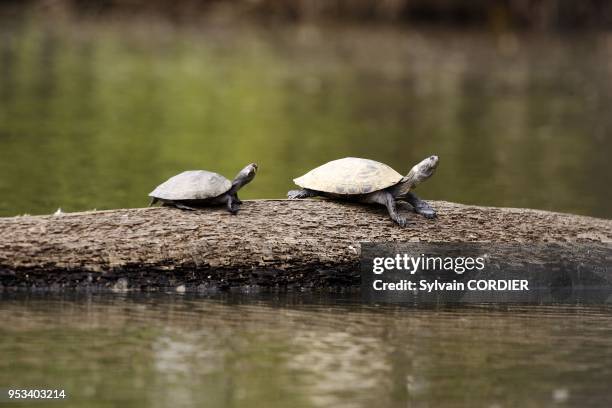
[
  {"x": 197, "y": 188},
  {"x": 368, "y": 181}
]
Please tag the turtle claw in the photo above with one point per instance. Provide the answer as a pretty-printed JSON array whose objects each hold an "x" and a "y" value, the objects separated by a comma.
[
  {"x": 402, "y": 222},
  {"x": 429, "y": 214},
  {"x": 232, "y": 206}
]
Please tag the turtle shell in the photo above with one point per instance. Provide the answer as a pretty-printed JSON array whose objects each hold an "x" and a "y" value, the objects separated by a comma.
[
  {"x": 350, "y": 175},
  {"x": 192, "y": 185}
]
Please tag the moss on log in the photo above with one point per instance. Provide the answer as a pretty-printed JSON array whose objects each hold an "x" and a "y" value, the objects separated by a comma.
[{"x": 270, "y": 243}]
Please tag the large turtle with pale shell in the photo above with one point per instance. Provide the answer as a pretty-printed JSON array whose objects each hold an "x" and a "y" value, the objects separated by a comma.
[
  {"x": 198, "y": 188},
  {"x": 368, "y": 181}
]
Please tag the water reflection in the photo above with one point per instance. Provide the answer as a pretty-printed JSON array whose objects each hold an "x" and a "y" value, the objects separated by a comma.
[
  {"x": 95, "y": 115},
  {"x": 303, "y": 352}
]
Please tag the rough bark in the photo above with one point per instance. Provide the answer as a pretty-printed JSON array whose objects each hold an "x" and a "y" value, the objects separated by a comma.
[{"x": 271, "y": 243}]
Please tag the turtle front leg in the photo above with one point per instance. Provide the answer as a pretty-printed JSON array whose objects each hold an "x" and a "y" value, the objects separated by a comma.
[
  {"x": 232, "y": 205},
  {"x": 388, "y": 200},
  {"x": 303, "y": 193},
  {"x": 236, "y": 199},
  {"x": 420, "y": 206}
]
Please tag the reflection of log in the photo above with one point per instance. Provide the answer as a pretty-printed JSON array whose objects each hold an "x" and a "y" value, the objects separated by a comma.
[{"x": 307, "y": 243}]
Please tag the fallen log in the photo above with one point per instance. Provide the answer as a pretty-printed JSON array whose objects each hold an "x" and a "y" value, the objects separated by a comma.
[{"x": 270, "y": 243}]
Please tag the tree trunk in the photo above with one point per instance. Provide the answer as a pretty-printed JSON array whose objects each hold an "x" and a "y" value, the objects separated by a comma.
[{"x": 270, "y": 243}]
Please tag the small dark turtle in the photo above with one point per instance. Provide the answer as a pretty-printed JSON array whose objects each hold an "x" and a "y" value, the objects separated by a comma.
[
  {"x": 368, "y": 181},
  {"x": 197, "y": 188}
]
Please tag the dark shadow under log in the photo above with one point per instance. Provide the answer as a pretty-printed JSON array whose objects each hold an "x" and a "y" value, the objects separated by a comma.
[{"x": 270, "y": 243}]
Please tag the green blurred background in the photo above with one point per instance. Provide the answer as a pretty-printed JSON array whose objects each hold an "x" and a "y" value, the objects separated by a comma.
[{"x": 101, "y": 101}]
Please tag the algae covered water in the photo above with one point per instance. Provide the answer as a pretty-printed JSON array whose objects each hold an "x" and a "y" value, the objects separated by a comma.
[{"x": 302, "y": 351}]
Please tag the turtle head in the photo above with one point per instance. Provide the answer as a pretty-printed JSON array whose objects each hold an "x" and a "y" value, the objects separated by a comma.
[
  {"x": 244, "y": 177},
  {"x": 424, "y": 169},
  {"x": 419, "y": 173}
]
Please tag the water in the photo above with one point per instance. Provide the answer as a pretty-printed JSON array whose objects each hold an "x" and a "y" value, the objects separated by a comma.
[
  {"x": 95, "y": 115},
  {"x": 303, "y": 352}
]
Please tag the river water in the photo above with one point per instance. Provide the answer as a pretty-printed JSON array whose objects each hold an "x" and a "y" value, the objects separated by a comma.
[
  {"x": 95, "y": 115},
  {"x": 303, "y": 351}
]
